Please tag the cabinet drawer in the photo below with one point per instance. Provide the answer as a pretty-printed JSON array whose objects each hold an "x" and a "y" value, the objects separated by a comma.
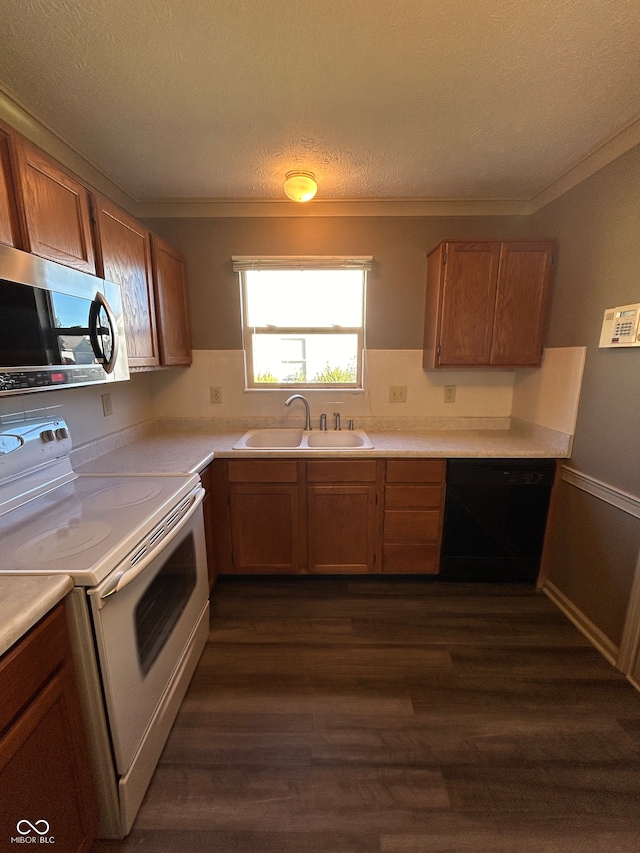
[
  {"x": 341, "y": 471},
  {"x": 413, "y": 497},
  {"x": 416, "y": 470},
  {"x": 263, "y": 471},
  {"x": 402, "y": 558},
  {"x": 45, "y": 648},
  {"x": 411, "y": 526}
]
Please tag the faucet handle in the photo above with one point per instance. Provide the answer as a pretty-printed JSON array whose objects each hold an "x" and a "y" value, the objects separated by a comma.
[
  {"x": 336, "y": 415},
  {"x": 351, "y": 423},
  {"x": 323, "y": 421}
]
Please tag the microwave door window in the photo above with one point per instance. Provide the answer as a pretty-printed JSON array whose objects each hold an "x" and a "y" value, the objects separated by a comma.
[
  {"x": 71, "y": 329},
  {"x": 25, "y": 326}
]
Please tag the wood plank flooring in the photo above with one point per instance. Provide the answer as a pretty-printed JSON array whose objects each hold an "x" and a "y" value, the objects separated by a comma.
[{"x": 395, "y": 716}]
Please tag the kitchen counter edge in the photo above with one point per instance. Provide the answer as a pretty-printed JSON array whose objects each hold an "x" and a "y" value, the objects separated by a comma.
[
  {"x": 25, "y": 600},
  {"x": 186, "y": 452}
]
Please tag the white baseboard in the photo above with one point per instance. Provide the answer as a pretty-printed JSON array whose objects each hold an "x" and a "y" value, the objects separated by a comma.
[{"x": 595, "y": 636}]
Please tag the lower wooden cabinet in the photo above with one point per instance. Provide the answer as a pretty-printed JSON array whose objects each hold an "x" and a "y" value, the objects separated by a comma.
[
  {"x": 264, "y": 504},
  {"x": 45, "y": 776},
  {"x": 327, "y": 516},
  {"x": 342, "y": 516},
  {"x": 413, "y": 513}
]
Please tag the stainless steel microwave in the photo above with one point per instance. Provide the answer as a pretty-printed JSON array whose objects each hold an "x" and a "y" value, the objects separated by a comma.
[{"x": 59, "y": 327}]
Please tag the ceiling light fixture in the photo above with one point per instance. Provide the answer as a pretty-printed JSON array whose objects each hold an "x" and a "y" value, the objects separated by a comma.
[{"x": 300, "y": 186}]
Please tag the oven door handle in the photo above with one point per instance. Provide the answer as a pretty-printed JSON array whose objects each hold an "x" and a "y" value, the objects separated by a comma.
[{"x": 121, "y": 579}]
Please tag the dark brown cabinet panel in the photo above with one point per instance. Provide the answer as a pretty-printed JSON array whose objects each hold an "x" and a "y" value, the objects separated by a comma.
[
  {"x": 56, "y": 209},
  {"x": 172, "y": 305},
  {"x": 487, "y": 303},
  {"x": 10, "y": 230},
  {"x": 124, "y": 256},
  {"x": 44, "y": 764}
]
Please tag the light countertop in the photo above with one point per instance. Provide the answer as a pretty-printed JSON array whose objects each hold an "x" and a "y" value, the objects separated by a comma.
[
  {"x": 190, "y": 452},
  {"x": 25, "y": 600}
]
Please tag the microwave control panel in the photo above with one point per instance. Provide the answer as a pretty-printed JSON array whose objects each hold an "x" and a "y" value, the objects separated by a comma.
[{"x": 621, "y": 326}]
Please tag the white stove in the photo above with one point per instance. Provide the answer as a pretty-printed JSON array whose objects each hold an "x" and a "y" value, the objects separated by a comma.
[
  {"x": 134, "y": 547},
  {"x": 85, "y": 527}
]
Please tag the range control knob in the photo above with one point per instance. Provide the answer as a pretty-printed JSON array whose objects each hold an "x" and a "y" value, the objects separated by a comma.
[
  {"x": 47, "y": 435},
  {"x": 62, "y": 432}
]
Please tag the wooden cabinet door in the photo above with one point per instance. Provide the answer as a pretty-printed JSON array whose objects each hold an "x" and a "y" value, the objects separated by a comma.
[
  {"x": 45, "y": 772},
  {"x": 522, "y": 301},
  {"x": 56, "y": 208},
  {"x": 468, "y": 303},
  {"x": 265, "y": 523},
  {"x": 341, "y": 528},
  {"x": 124, "y": 250},
  {"x": 172, "y": 305},
  {"x": 10, "y": 231},
  {"x": 40, "y": 776}
]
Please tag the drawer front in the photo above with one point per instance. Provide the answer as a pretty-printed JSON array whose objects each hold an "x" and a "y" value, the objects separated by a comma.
[
  {"x": 341, "y": 471},
  {"x": 416, "y": 470},
  {"x": 401, "y": 558},
  {"x": 31, "y": 662},
  {"x": 262, "y": 471},
  {"x": 413, "y": 497},
  {"x": 411, "y": 526}
]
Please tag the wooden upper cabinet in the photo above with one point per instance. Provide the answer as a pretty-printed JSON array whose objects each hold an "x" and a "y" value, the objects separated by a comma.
[
  {"x": 10, "y": 229},
  {"x": 522, "y": 302},
  {"x": 172, "y": 306},
  {"x": 56, "y": 210},
  {"x": 124, "y": 256},
  {"x": 487, "y": 303}
]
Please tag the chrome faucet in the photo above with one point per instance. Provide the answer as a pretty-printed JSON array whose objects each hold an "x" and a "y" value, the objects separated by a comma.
[{"x": 307, "y": 420}]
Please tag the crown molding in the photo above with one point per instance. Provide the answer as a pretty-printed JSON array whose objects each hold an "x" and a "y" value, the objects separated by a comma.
[
  {"x": 196, "y": 208},
  {"x": 18, "y": 116},
  {"x": 615, "y": 146},
  {"x": 35, "y": 130}
]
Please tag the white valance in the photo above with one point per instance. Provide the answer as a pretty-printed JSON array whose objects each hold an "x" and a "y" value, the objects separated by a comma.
[{"x": 300, "y": 262}]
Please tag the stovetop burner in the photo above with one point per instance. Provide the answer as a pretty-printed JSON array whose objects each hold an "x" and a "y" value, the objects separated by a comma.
[{"x": 65, "y": 541}]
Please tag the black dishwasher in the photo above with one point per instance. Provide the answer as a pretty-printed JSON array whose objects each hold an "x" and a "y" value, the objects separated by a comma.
[{"x": 495, "y": 518}]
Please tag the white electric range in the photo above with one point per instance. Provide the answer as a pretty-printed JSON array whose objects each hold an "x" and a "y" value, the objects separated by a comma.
[{"x": 135, "y": 549}]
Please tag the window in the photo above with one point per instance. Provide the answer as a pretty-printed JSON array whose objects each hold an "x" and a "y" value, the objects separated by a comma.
[{"x": 303, "y": 320}]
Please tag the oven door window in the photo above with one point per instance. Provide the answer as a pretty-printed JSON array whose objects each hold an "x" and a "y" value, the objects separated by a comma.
[{"x": 163, "y": 602}]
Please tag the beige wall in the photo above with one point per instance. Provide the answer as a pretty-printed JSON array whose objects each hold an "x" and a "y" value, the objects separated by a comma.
[
  {"x": 598, "y": 226},
  {"x": 396, "y": 284},
  {"x": 596, "y": 545}
]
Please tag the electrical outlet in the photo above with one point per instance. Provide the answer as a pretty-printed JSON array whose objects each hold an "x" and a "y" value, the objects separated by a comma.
[
  {"x": 107, "y": 406},
  {"x": 397, "y": 393},
  {"x": 216, "y": 394},
  {"x": 449, "y": 393}
]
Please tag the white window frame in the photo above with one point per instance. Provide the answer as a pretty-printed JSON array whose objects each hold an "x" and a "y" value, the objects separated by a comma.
[{"x": 244, "y": 263}]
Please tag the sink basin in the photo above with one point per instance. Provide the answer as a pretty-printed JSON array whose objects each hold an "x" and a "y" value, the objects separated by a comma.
[
  {"x": 305, "y": 442},
  {"x": 270, "y": 438},
  {"x": 336, "y": 439}
]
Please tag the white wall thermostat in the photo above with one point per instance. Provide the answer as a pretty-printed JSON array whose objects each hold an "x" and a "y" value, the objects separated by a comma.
[{"x": 621, "y": 326}]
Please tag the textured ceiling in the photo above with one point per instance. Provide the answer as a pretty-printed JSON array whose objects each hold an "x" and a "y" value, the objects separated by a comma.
[{"x": 411, "y": 99}]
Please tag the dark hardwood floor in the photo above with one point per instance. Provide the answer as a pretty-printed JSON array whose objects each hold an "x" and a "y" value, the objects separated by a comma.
[{"x": 395, "y": 716}]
